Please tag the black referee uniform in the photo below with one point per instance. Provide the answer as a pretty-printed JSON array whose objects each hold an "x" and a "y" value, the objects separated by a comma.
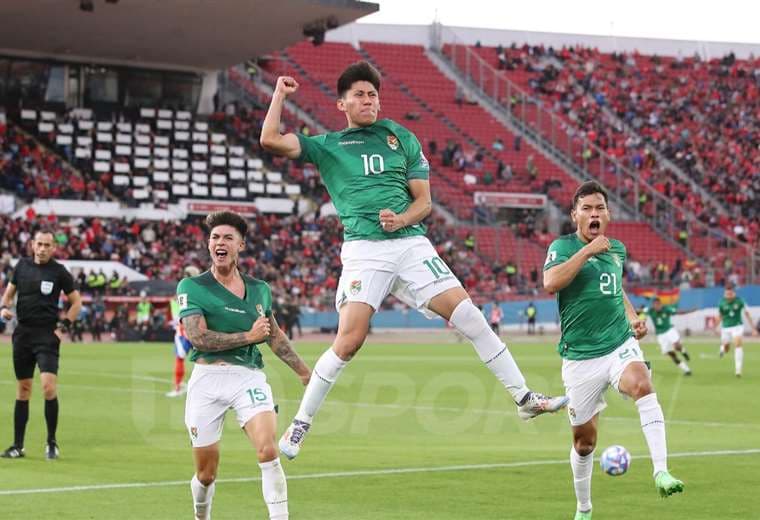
[{"x": 35, "y": 343}]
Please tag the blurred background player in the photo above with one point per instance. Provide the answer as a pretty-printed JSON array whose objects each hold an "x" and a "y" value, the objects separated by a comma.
[
  {"x": 181, "y": 344},
  {"x": 730, "y": 309},
  {"x": 227, "y": 316},
  {"x": 599, "y": 342},
  {"x": 378, "y": 179},
  {"x": 495, "y": 317},
  {"x": 530, "y": 313},
  {"x": 667, "y": 334},
  {"x": 144, "y": 312}
]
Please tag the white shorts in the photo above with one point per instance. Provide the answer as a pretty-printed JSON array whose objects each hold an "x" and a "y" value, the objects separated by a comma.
[
  {"x": 214, "y": 389},
  {"x": 587, "y": 380},
  {"x": 667, "y": 340},
  {"x": 730, "y": 333},
  {"x": 408, "y": 268}
]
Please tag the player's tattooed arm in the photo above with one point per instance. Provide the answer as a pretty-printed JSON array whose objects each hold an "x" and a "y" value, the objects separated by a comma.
[
  {"x": 280, "y": 345},
  {"x": 206, "y": 340}
]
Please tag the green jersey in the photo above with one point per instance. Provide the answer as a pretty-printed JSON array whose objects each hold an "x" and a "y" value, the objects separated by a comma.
[
  {"x": 225, "y": 312},
  {"x": 366, "y": 170},
  {"x": 731, "y": 312},
  {"x": 661, "y": 318},
  {"x": 591, "y": 309}
]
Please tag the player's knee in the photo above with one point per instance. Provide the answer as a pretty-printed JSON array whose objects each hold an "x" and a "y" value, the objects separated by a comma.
[
  {"x": 584, "y": 446},
  {"x": 468, "y": 319},
  {"x": 24, "y": 390},
  {"x": 348, "y": 344},
  {"x": 641, "y": 388},
  {"x": 266, "y": 452},
  {"x": 206, "y": 477}
]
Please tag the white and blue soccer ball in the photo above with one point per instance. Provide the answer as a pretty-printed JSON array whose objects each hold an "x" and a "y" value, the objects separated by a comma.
[{"x": 615, "y": 460}]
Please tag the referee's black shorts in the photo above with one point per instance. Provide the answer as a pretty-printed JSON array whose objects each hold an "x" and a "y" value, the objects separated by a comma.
[{"x": 35, "y": 346}]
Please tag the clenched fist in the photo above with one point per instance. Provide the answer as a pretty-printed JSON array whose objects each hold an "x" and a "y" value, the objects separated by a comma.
[{"x": 285, "y": 86}]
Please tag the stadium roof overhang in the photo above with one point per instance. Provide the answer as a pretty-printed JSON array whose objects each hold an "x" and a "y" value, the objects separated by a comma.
[{"x": 197, "y": 35}]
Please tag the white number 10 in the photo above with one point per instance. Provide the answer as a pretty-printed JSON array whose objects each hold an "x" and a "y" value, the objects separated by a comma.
[
  {"x": 373, "y": 164},
  {"x": 605, "y": 280}
]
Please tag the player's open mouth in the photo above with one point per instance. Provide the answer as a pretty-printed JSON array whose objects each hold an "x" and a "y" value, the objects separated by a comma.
[
  {"x": 221, "y": 254},
  {"x": 594, "y": 226}
]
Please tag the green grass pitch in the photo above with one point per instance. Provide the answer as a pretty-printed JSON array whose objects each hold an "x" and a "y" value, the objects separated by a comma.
[{"x": 409, "y": 432}]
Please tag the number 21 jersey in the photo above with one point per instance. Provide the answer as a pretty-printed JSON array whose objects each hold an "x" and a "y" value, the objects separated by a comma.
[{"x": 591, "y": 309}]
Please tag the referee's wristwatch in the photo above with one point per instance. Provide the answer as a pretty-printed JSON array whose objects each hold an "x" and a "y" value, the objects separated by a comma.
[{"x": 64, "y": 324}]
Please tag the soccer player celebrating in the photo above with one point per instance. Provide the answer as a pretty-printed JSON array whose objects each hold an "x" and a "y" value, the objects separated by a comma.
[
  {"x": 181, "y": 344},
  {"x": 599, "y": 341},
  {"x": 731, "y": 327},
  {"x": 667, "y": 335},
  {"x": 377, "y": 177},
  {"x": 227, "y": 316}
]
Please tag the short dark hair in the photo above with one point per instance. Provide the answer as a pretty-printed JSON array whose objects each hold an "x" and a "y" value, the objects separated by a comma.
[
  {"x": 359, "y": 71},
  {"x": 227, "y": 218},
  {"x": 589, "y": 188}
]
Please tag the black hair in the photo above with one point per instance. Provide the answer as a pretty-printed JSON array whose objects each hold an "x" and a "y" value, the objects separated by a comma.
[
  {"x": 44, "y": 231},
  {"x": 227, "y": 218},
  {"x": 589, "y": 188},
  {"x": 359, "y": 71}
]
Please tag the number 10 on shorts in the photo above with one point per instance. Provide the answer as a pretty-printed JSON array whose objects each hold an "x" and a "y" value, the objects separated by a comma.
[{"x": 437, "y": 267}]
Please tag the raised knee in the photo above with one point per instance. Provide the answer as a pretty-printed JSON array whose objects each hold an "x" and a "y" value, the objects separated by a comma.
[
  {"x": 642, "y": 388},
  {"x": 348, "y": 345}
]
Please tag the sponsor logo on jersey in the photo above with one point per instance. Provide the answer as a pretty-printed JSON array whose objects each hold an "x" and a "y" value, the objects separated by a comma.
[
  {"x": 355, "y": 287},
  {"x": 392, "y": 142},
  {"x": 232, "y": 309},
  {"x": 182, "y": 301},
  {"x": 46, "y": 287},
  {"x": 355, "y": 141}
]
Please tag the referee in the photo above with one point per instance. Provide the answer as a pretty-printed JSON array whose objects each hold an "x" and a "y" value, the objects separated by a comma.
[{"x": 37, "y": 338}]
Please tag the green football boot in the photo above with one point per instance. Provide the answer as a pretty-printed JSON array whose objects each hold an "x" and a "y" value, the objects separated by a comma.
[{"x": 667, "y": 484}]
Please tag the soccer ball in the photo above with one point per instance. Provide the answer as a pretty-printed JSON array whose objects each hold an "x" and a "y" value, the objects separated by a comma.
[{"x": 615, "y": 460}]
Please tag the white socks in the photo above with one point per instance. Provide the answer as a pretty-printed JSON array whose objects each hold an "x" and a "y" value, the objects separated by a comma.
[
  {"x": 275, "y": 489},
  {"x": 738, "y": 359},
  {"x": 202, "y": 497},
  {"x": 582, "y": 468},
  {"x": 471, "y": 323},
  {"x": 653, "y": 426},
  {"x": 683, "y": 366},
  {"x": 326, "y": 371}
]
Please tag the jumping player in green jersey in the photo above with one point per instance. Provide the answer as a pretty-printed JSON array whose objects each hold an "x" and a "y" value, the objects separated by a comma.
[
  {"x": 667, "y": 334},
  {"x": 377, "y": 177},
  {"x": 599, "y": 342},
  {"x": 227, "y": 316},
  {"x": 731, "y": 327}
]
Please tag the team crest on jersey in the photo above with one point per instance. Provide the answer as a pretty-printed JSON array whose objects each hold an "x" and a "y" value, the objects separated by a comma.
[
  {"x": 393, "y": 142},
  {"x": 46, "y": 287},
  {"x": 355, "y": 287}
]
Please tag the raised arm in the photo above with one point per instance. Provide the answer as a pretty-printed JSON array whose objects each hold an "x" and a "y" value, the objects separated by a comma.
[
  {"x": 280, "y": 345},
  {"x": 558, "y": 277},
  {"x": 206, "y": 340},
  {"x": 271, "y": 139},
  {"x": 420, "y": 208}
]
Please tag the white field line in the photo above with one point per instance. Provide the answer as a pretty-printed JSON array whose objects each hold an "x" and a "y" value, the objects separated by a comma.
[{"x": 358, "y": 473}]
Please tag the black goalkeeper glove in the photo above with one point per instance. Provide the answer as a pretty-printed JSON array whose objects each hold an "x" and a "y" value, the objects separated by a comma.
[{"x": 64, "y": 324}]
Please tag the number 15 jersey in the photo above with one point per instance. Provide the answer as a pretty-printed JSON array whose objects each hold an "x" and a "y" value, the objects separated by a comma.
[
  {"x": 366, "y": 170},
  {"x": 591, "y": 309}
]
